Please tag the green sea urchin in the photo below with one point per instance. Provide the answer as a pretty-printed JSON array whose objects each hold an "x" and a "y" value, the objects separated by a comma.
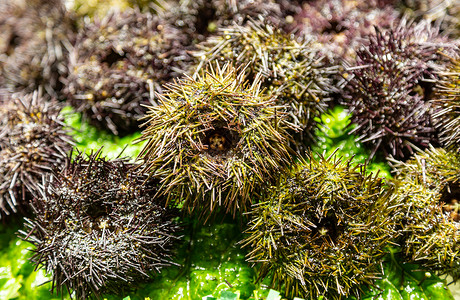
[
  {"x": 427, "y": 194},
  {"x": 291, "y": 69},
  {"x": 447, "y": 105},
  {"x": 433, "y": 167},
  {"x": 99, "y": 227},
  {"x": 33, "y": 139},
  {"x": 117, "y": 65},
  {"x": 215, "y": 141},
  {"x": 322, "y": 230}
]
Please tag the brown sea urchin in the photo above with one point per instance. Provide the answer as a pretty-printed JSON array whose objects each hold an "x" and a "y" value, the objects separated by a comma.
[{"x": 214, "y": 140}]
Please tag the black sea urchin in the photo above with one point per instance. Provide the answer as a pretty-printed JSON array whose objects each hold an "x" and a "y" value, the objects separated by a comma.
[
  {"x": 428, "y": 197},
  {"x": 33, "y": 139},
  {"x": 322, "y": 230},
  {"x": 117, "y": 65},
  {"x": 389, "y": 87},
  {"x": 35, "y": 38},
  {"x": 99, "y": 227},
  {"x": 215, "y": 140},
  {"x": 291, "y": 69}
]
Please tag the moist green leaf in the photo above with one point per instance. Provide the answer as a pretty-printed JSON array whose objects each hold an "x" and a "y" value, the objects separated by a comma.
[
  {"x": 88, "y": 138},
  {"x": 333, "y": 133},
  {"x": 407, "y": 281}
]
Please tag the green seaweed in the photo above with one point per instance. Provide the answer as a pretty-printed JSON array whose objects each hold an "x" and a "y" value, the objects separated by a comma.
[
  {"x": 334, "y": 133},
  {"x": 88, "y": 138}
]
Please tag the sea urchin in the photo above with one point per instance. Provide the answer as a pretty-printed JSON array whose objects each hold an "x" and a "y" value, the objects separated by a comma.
[
  {"x": 215, "y": 141},
  {"x": 99, "y": 228}
]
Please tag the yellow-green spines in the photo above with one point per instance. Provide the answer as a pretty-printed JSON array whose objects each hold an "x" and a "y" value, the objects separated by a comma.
[
  {"x": 322, "y": 230},
  {"x": 428, "y": 196},
  {"x": 433, "y": 167},
  {"x": 446, "y": 13},
  {"x": 447, "y": 105},
  {"x": 215, "y": 141},
  {"x": 291, "y": 69}
]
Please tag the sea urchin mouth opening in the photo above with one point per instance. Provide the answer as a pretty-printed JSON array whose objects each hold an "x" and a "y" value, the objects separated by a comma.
[
  {"x": 424, "y": 89},
  {"x": 334, "y": 27},
  {"x": 96, "y": 210},
  {"x": 327, "y": 230},
  {"x": 13, "y": 41},
  {"x": 113, "y": 57},
  {"x": 219, "y": 141}
]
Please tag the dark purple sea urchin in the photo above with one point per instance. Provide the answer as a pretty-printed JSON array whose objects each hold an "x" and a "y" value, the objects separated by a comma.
[
  {"x": 389, "y": 88},
  {"x": 33, "y": 139},
  {"x": 99, "y": 227}
]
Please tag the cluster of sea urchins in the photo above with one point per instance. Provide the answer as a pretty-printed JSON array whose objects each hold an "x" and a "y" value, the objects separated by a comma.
[
  {"x": 322, "y": 230},
  {"x": 220, "y": 139},
  {"x": 33, "y": 139},
  {"x": 99, "y": 226},
  {"x": 215, "y": 141}
]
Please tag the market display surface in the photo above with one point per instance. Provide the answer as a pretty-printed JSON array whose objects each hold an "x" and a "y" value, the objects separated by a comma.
[{"x": 229, "y": 149}]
